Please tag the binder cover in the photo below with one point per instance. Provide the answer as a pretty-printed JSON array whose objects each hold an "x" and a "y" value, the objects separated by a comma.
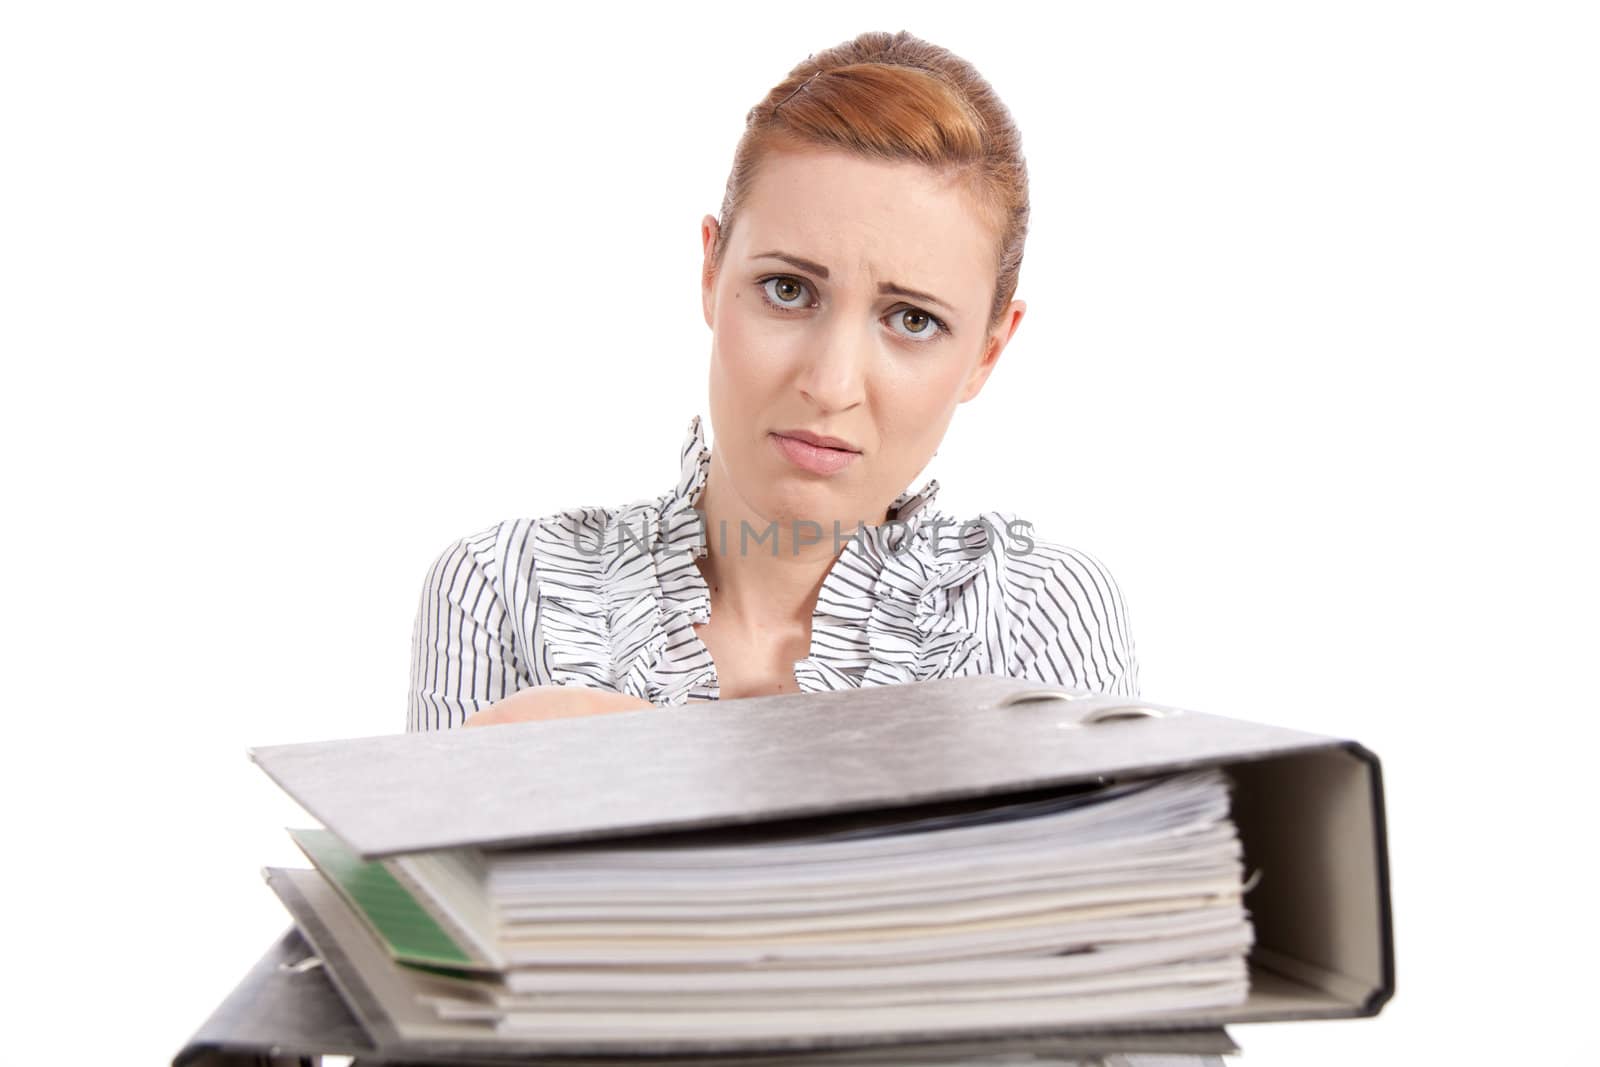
[{"x": 750, "y": 760}]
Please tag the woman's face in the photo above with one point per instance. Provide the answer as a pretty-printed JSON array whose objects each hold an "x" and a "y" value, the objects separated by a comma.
[{"x": 852, "y": 303}]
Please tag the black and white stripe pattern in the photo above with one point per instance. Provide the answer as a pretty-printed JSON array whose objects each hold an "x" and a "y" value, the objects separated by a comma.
[{"x": 608, "y": 599}]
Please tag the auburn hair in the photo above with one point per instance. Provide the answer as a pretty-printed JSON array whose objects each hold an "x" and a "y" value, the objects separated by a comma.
[{"x": 898, "y": 98}]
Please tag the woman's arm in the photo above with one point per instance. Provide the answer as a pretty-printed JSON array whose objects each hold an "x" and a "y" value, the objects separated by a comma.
[
  {"x": 467, "y": 667},
  {"x": 464, "y": 654},
  {"x": 555, "y": 702},
  {"x": 1075, "y": 632}
]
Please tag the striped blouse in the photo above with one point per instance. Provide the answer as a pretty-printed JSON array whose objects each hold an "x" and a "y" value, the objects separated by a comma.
[{"x": 608, "y": 598}]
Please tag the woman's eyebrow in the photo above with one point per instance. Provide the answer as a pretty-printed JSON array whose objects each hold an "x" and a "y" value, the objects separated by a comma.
[
  {"x": 888, "y": 288},
  {"x": 797, "y": 261}
]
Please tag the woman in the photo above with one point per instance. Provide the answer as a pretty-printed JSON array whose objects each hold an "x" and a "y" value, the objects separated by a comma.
[{"x": 859, "y": 286}]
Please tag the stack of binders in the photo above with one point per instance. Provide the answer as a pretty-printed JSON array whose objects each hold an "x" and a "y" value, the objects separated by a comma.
[{"x": 935, "y": 872}]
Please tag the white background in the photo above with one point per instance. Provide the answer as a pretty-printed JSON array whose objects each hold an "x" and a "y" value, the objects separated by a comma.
[{"x": 292, "y": 295}]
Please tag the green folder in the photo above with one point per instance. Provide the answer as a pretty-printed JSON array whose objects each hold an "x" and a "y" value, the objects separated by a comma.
[{"x": 404, "y": 926}]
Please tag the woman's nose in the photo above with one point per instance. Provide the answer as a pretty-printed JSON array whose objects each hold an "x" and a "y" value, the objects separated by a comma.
[{"x": 834, "y": 377}]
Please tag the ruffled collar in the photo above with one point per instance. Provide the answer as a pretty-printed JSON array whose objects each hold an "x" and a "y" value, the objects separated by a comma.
[
  {"x": 624, "y": 617},
  {"x": 883, "y": 614}
]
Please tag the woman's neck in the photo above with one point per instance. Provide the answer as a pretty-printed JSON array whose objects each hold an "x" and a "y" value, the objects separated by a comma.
[{"x": 764, "y": 574}]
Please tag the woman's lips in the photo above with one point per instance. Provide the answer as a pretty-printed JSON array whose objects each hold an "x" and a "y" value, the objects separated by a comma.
[{"x": 814, "y": 458}]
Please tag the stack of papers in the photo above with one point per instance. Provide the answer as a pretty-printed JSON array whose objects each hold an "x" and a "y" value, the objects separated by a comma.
[{"x": 1094, "y": 903}]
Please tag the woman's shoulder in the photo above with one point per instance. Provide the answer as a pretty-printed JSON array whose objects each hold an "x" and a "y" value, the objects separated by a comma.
[
  {"x": 570, "y": 540},
  {"x": 999, "y": 546},
  {"x": 1052, "y": 609}
]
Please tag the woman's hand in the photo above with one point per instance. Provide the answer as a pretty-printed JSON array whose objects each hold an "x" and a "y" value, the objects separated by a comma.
[{"x": 554, "y": 702}]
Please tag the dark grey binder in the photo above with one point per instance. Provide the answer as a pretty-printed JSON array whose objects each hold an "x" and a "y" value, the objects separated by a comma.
[
  {"x": 1309, "y": 807},
  {"x": 281, "y": 1011}
]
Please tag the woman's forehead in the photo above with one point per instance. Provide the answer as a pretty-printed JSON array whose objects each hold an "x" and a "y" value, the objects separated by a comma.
[{"x": 854, "y": 215}]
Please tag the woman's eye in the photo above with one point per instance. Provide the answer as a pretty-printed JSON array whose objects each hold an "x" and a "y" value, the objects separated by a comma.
[
  {"x": 784, "y": 291},
  {"x": 918, "y": 323}
]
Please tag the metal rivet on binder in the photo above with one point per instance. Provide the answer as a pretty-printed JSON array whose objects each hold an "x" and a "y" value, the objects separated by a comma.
[{"x": 302, "y": 966}]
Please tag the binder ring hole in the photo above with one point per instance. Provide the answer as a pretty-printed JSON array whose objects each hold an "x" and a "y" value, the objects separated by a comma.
[
  {"x": 1121, "y": 712},
  {"x": 1039, "y": 696}
]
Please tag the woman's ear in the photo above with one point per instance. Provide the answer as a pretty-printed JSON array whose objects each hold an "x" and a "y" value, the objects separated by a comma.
[
  {"x": 995, "y": 343},
  {"x": 709, "y": 234}
]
